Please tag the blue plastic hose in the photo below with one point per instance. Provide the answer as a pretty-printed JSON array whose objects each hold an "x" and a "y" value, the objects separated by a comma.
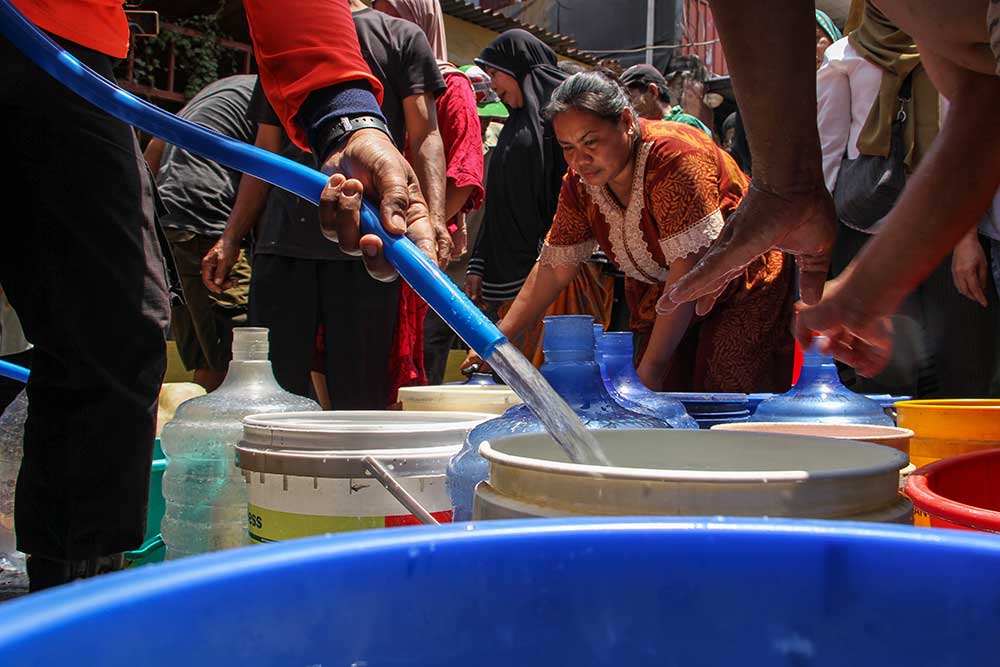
[
  {"x": 13, "y": 371},
  {"x": 423, "y": 275}
]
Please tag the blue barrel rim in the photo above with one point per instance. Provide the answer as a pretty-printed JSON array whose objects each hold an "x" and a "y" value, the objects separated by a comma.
[{"x": 49, "y": 608}]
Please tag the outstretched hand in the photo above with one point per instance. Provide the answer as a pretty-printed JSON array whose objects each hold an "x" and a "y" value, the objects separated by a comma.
[
  {"x": 858, "y": 330},
  {"x": 802, "y": 224}
]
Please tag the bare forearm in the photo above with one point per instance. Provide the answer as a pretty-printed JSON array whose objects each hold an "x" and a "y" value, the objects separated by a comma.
[
  {"x": 429, "y": 165},
  {"x": 771, "y": 55},
  {"x": 154, "y": 155},
  {"x": 668, "y": 330},
  {"x": 455, "y": 198},
  {"x": 250, "y": 200},
  {"x": 543, "y": 285}
]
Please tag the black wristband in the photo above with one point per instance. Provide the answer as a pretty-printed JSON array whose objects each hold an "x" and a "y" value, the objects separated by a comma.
[{"x": 339, "y": 130}]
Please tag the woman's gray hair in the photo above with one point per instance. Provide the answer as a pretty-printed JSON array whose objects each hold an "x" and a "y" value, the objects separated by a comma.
[{"x": 596, "y": 92}]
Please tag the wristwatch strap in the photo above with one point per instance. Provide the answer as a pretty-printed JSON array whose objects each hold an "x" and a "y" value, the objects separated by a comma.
[{"x": 345, "y": 126}]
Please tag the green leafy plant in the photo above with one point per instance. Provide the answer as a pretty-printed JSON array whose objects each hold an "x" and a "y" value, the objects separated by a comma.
[{"x": 199, "y": 58}]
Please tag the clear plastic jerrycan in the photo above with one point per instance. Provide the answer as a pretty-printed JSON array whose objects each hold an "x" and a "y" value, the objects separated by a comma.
[{"x": 204, "y": 491}]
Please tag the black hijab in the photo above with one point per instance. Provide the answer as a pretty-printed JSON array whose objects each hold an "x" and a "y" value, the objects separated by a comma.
[{"x": 526, "y": 168}]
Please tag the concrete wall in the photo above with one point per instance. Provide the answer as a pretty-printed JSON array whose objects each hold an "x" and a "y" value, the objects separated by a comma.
[{"x": 604, "y": 24}]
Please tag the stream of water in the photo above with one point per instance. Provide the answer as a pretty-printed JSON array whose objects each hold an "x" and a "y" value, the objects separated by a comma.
[{"x": 557, "y": 417}]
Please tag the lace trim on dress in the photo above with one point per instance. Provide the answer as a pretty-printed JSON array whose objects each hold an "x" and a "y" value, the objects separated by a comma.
[
  {"x": 567, "y": 255},
  {"x": 628, "y": 244},
  {"x": 694, "y": 238}
]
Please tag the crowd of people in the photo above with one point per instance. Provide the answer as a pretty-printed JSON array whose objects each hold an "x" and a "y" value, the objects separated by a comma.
[{"x": 539, "y": 189}]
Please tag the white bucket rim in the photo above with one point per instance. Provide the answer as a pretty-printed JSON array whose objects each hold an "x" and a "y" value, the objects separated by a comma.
[{"x": 892, "y": 463}]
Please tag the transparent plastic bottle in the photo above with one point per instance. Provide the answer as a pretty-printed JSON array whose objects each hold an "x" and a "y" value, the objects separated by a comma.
[
  {"x": 572, "y": 371},
  {"x": 204, "y": 491},
  {"x": 819, "y": 396},
  {"x": 13, "y": 577},
  {"x": 615, "y": 357}
]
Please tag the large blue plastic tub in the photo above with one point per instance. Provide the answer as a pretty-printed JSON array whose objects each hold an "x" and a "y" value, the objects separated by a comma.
[{"x": 578, "y": 592}]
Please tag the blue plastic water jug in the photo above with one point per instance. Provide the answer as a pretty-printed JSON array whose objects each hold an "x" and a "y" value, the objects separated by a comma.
[
  {"x": 819, "y": 396},
  {"x": 615, "y": 357}
]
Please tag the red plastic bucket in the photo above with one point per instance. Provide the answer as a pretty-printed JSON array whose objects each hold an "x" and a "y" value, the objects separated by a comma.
[{"x": 959, "y": 492}]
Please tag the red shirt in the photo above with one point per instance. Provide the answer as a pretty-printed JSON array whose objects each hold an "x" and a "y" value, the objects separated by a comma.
[
  {"x": 97, "y": 24},
  {"x": 302, "y": 46},
  {"x": 461, "y": 134}
]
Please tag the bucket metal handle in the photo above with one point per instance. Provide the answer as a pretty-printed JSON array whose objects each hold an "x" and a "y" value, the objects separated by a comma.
[{"x": 398, "y": 492}]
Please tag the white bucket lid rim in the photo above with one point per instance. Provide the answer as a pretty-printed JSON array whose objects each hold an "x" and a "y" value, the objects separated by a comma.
[{"x": 891, "y": 462}]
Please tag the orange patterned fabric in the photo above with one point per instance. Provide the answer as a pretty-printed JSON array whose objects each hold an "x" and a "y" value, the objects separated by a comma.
[{"x": 685, "y": 188}]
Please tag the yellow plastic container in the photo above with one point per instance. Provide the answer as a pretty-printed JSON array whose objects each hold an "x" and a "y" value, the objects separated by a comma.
[{"x": 946, "y": 428}]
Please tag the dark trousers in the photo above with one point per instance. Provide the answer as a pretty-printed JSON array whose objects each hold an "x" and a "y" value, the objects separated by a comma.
[
  {"x": 9, "y": 389},
  {"x": 292, "y": 297},
  {"x": 438, "y": 341},
  {"x": 944, "y": 345},
  {"x": 81, "y": 266}
]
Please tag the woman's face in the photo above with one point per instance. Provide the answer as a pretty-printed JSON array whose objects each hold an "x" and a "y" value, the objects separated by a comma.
[
  {"x": 596, "y": 149},
  {"x": 506, "y": 87},
  {"x": 384, "y": 7},
  {"x": 822, "y": 44}
]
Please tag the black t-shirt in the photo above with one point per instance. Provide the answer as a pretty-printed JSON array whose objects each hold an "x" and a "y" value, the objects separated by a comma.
[
  {"x": 398, "y": 54},
  {"x": 197, "y": 192}
]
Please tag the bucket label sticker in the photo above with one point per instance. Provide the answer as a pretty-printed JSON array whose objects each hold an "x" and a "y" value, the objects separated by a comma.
[
  {"x": 921, "y": 518},
  {"x": 267, "y": 525}
]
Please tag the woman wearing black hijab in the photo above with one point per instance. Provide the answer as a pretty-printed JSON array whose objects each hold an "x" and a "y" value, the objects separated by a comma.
[{"x": 522, "y": 189}]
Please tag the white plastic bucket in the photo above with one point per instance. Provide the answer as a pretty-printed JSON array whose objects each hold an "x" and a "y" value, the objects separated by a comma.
[
  {"x": 695, "y": 473},
  {"x": 493, "y": 399},
  {"x": 310, "y": 473}
]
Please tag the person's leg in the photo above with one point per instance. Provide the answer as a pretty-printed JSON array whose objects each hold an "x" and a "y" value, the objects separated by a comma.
[
  {"x": 961, "y": 338},
  {"x": 438, "y": 339},
  {"x": 283, "y": 298},
  {"x": 183, "y": 315},
  {"x": 83, "y": 269},
  {"x": 203, "y": 325},
  {"x": 359, "y": 318}
]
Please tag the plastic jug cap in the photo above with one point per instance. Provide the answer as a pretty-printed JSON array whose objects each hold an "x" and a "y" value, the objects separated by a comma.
[{"x": 250, "y": 344}]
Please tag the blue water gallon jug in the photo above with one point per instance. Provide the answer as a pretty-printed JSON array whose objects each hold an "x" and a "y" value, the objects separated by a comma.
[
  {"x": 819, "y": 396},
  {"x": 756, "y": 399},
  {"x": 709, "y": 409},
  {"x": 614, "y": 356},
  {"x": 572, "y": 371},
  {"x": 477, "y": 379}
]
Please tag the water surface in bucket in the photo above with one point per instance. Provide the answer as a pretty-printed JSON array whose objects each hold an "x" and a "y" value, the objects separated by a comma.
[{"x": 558, "y": 418}]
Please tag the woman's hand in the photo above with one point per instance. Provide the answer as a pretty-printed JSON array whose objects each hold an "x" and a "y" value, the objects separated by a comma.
[
  {"x": 474, "y": 288},
  {"x": 474, "y": 362},
  {"x": 969, "y": 269}
]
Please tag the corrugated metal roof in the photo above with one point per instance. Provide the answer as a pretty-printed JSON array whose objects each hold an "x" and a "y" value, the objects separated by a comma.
[{"x": 497, "y": 22}]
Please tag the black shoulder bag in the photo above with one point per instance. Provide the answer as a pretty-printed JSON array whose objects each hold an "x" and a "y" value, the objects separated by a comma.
[{"x": 869, "y": 185}]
